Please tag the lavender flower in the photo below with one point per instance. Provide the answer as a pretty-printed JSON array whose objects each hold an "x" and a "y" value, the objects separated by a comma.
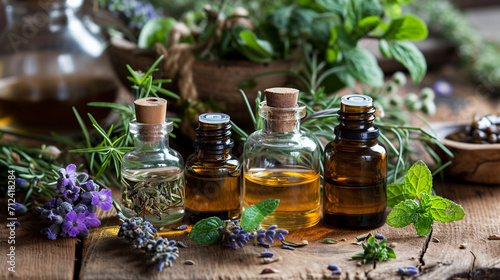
[
  {"x": 334, "y": 268},
  {"x": 269, "y": 235},
  {"x": 74, "y": 223},
  {"x": 20, "y": 208},
  {"x": 141, "y": 234},
  {"x": 266, "y": 254},
  {"x": 443, "y": 88},
  {"x": 72, "y": 212},
  {"x": 102, "y": 199},
  {"x": 22, "y": 184},
  {"x": 68, "y": 177}
]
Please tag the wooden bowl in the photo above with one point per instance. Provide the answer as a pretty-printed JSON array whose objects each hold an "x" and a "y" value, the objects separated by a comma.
[{"x": 477, "y": 163}]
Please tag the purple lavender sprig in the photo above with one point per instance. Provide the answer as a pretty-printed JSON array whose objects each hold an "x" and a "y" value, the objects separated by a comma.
[
  {"x": 142, "y": 234},
  {"x": 235, "y": 235},
  {"x": 72, "y": 212}
]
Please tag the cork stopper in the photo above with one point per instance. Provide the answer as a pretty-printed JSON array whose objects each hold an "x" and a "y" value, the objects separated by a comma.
[
  {"x": 282, "y": 116},
  {"x": 151, "y": 112},
  {"x": 282, "y": 97}
]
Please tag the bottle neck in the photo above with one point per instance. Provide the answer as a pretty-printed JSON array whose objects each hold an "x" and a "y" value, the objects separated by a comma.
[
  {"x": 39, "y": 14},
  {"x": 150, "y": 137},
  {"x": 213, "y": 141},
  {"x": 356, "y": 123},
  {"x": 281, "y": 120}
]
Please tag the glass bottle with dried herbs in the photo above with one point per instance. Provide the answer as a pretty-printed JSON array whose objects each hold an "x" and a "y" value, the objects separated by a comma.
[
  {"x": 354, "y": 191},
  {"x": 283, "y": 162},
  {"x": 212, "y": 172},
  {"x": 152, "y": 174}
]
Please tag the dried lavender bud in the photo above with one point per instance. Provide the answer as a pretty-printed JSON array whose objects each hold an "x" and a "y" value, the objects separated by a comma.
[
  {"x": 336, "y": 271},
  {"x": 273, "y": 227},
  {"x": 266, "y": 254},
  {"x": 181, "y": 244},
  {"x": 410, "y": 270},
  {"x": 333, "y": 267},
  {"x": 379, "y": 236},
  {"x": 282, "y": 231},
  {"x": 13, "y": 223},
  {"x": 183, "y": 227}
]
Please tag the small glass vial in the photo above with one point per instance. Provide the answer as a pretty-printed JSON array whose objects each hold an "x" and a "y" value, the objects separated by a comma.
[
  {"x": 354, "y": 193},
  {"x": 282, "y": 162},
  {"x": 152, "y": 174},
  {"x": 212, "y": 172}
]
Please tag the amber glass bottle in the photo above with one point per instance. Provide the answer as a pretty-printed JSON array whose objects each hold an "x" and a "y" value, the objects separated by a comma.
[
  {"x": 355, "y": 168},
  {"x": 212, "y": 172}
]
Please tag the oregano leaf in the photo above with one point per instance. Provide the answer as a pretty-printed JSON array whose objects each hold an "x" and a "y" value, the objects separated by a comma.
[
  {"x": 424, "y": 222},
  {"x": 403, "y": 214},
  {"x": 361, "y": 64},
  {"x": 395, "y": 194},
  {"x": 418, "y": 180},
  {"x": 253, "y": 215},
  {"x": 207, "y": 231},
  {"x": 444, "y": 210}
]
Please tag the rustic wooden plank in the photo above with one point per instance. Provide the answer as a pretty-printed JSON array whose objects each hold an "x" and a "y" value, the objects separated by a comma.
[
  {"x": 105, "y": 256},
  {"x": 482, "y": 206},
  {"x": 36, "y": 257}
]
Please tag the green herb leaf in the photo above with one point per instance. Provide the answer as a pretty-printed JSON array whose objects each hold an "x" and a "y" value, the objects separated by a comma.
[
  {"x": 251, "y": 47},
  {"x": 253, "y": 215},
  {"x": 155, "y": 31},
  {"x": 418, "y": 180},
  {"x": 384, "y": 48},
  {"x": 329, "y": 241},
  {"x": 423, "y": 224},
  {"x": 395, "y": 194},
  {"x": 207, "y": 231},
  {"x": 408, "y": 27},
  {"x": 411, "y": 57},
  {"x": 293, "y": 244},
  {"x": 363, "y": 66},
  {"x": 403, "y": 214},
  {"x": 425, "y": 202},
  {"x": 444, "y": 210},
  {"x": 363, "y": 237},
  {"x": 374, "y": 251}
]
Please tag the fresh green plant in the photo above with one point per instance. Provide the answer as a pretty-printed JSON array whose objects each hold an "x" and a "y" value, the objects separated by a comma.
[
  {"x": 480, "y": 56},
  {"x": 392, "y": 120},
  {"x": 212, "y": 230},
  {"x": 375, "y": 251},
  {"x": 413, "y": 202}
]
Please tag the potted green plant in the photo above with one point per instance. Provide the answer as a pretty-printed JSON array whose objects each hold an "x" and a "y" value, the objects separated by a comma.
[{"x": 211, "y": 52}]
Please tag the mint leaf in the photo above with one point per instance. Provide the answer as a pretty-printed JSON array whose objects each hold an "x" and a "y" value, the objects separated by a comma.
[
  {"x": 253, "y": 215},
  {"x": 411, "y": 57},
  {"x": 395, "y": 194},
  {"x": 425, "y": 202},
  {"x": 207, "y": 231},
  {"x": 444, "y": 210},
  {"x": 423, "y": 224},
  {"x": 361, "y": 64},
  {"x": 408, "y": 27},
  {"x": 403, "y": 214},
  {"x": 418, "y": 180}
]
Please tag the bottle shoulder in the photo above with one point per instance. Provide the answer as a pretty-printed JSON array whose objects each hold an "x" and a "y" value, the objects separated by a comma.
[
  {"x": 137, "y": 159},
  {"x": 288, "y": 141}
]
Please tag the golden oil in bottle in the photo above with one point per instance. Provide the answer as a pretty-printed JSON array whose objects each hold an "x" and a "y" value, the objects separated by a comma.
[
  {"x": 298, "y": 191},
  {"x": 212, "y": 173},
  {"x": 354, "y": 191},
  {"x": 282, "y": 162}
]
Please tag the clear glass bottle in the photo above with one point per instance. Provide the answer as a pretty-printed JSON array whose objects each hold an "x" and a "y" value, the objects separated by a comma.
[
  {"x": 283, "y": 162},
  {"x": 354, "y": 188},
  {"x": 152, "y": 174},
  {"x": 212, "y": 172},
  {"x": 50, "y": 61}
]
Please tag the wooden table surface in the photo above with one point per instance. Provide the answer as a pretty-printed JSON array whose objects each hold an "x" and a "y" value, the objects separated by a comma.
[{"x": 103, "y": 255}]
